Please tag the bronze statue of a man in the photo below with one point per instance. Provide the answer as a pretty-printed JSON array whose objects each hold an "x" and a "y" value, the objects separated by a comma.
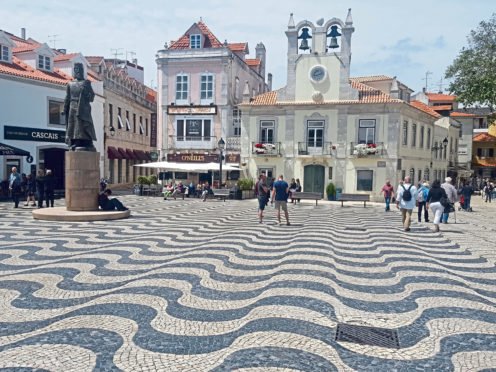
[{"x": 80, "y": 132}]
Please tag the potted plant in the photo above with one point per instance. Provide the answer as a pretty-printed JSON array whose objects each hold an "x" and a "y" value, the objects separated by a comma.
[
  {"x": 245, "y": 188},
  {"x": 142, "y": 180},
  {"x": 330, "y": 191}
]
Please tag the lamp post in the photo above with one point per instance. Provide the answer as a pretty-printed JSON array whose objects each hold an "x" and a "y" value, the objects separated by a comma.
[
  {"x": 112, "y": 131},
  {"x": 221, "y": 145}
]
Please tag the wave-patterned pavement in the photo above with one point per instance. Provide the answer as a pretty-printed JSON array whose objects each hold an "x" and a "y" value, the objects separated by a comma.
[{"x": 193, "y": 286}]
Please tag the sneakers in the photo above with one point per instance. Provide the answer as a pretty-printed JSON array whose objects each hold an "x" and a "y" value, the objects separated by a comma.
[
  {"x": 287, "y": 223},
  {"x": 261, "y": 222},
  {"x": 407, "y": 229},
  {"x": 279, "y": 224}
]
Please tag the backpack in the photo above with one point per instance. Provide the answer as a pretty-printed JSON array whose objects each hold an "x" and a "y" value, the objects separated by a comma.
[
  {"x": 407, "y": 195},
  {"x": 444, "y": 201},
  {"x": 420, "y": 196}
]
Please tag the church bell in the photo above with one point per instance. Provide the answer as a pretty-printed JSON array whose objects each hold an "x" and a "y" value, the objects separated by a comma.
[
  {"x": 304, "y": 38},
  {"x": 333, "y": 35}
]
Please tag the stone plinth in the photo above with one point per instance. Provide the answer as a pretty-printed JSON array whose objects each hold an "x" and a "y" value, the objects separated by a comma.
[
  {"x": 82, "y": 180},
  {"x": 62, "y": 214}
]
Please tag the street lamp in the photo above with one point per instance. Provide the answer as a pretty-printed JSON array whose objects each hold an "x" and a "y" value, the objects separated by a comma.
[
  {"x": 221, "y": 145},
  {"x": 112, "y": 131}
]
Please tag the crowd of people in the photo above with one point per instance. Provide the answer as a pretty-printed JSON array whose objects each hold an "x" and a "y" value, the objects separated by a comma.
[
  {"x": 200, "y": 190},
  {"x": 437, "y": 198},
  {"x": 40, "y": 187}
]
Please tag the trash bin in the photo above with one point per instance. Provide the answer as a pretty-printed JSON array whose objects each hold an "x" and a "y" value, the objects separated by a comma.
[{"x": 338, "y": 191}]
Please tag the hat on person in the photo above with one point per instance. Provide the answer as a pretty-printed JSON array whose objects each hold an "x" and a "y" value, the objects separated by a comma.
[{"x": 425, "y": 184}]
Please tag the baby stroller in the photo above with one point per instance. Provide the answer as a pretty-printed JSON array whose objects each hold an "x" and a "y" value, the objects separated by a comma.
[{"x": 463, "y": 206}]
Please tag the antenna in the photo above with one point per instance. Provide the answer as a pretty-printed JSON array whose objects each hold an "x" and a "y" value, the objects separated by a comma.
[
  {"x": 427, "y": 73},
  {"x": 441, "y": 85},
  {"x": 116, "y": 52},
  {"x": 53, "y": 39}
]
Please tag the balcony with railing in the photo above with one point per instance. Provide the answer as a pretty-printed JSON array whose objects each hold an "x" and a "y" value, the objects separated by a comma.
[
  {"x": 314, "y": 148},
  {"x": 266, "y": 149},
  {"x": 192, "y": 142},
  {"x": 233, "y": 143},
  {"x": 367, "y": 150}
]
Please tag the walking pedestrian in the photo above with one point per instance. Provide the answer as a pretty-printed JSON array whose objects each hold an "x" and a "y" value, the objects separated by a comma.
[
  {"x": 15, "y": 186},
  {"x": 40, "y": 187},
  {"x": 451, "y": 192},
  {"x": 405, "y": 201},
  {"x": 488, "y": 191},
  {"x": 422, "y": 202},
  {"x": 49, "y": 188},
  {"x": 467, "y": 192},
  {"x": 30, "y": 190},
  {"x": 280, "y": 192},
  {"x": 298, "y": 189},
  {"x": 388, "y": 191},
  {"x": 435, "y": 199},
  {"x": 262, "y": 195}
]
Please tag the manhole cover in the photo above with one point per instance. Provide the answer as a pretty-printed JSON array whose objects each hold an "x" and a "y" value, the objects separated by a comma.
[
  {"x": 363, "y": 335},
  {"x": 355, "y": 228}
]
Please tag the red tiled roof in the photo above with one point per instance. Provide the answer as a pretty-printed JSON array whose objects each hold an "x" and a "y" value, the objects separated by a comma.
[
  {"x": 151, "y": 95},
  {"x": 21, "y": 69},
  {"x": 65, "y": 57},
  {"x": 484, "y": 137},
  {"x": 371, "y": 95},
  {"x": 92, "y": 75},
  {"x": 210, "y": 40},
  {"x": 423, "y": 107},
  {"x": 439, "y": 97},
  {"x": 238, "y": 47},
  {"x": 253, "y": 61},
  {"x": 265, "y": 99},
  {"x": 442, "y": 108},
  {"x": 363, "y": 79},
  {"x": 93, "y": 60},
  {"x": 461, "y": 114},
  {"x": 26, "y": 47}
]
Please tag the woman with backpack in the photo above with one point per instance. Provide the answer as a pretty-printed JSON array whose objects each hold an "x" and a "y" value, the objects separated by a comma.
[
  {"x": 422, "y": 203},
  {"x": 437, "y": 200}
]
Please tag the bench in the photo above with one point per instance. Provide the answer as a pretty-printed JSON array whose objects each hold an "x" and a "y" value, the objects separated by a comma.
[
  {"x": 354, "y": 197},
  {"x": 164, "y": 192},
  {"x": 221, "y": 193},
  {"x": 307, "y": 195}
]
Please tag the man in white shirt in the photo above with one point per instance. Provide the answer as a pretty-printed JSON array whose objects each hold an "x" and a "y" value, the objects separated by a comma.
[
  {"x": 406, "y": 199},
  {"x": 451, "y": 192}
]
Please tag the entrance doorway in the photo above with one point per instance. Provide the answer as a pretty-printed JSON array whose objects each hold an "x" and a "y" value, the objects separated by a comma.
[
  {"x": 55, "y": 160},
  {"x": 205, "y": 177},
  {"x": 313, "y": 178},
  {"x": 269, "y": 173}
]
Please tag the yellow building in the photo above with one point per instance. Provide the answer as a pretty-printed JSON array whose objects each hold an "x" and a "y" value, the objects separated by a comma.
[{"x": 484, "y": 153}]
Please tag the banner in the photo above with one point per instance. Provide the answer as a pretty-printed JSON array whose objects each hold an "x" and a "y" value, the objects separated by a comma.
[
  {"x": 202, "y": 158},
  {"x": 33, "y": 134},
  {"x": 153, "y": 130}
]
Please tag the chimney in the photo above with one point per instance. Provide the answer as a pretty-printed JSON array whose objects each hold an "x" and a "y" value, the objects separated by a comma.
[
  {"x": 269, "y": 81},
  {"x": 260, "y": 53},
  {"x": 23, "y": 33}
]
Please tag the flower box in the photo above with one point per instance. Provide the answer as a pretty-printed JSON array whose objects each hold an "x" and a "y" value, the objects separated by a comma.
[{"x": 364, "y": 149}]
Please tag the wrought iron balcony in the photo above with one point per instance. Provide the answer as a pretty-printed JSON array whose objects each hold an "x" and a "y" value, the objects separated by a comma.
[
  {"x": 192, "y": 142},
  {"x": 233, "y": 143},
  {"x": 314, "y": 148},
  {"x": 364, "y": 150},
  {"x": 266, "y": 149}
]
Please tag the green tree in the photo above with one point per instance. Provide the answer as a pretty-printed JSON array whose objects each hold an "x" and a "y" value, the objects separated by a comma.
[{"x": 474, "y": 69}]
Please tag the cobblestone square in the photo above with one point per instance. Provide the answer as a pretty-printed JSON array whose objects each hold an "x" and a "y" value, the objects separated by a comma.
[{"x": 194, "y": 286}]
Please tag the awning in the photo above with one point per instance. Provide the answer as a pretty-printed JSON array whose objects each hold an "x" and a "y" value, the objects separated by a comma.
[
  {"x": 130, "y": 154},
  {"x": 188, "y": 167},
  {"x": 113, "y": 153},
  {"x": 123, "y": 153},
  {"x": 148, "y": 156},
  {"x": 140, "y": 155},
  {"x": 10, "y": 150}
]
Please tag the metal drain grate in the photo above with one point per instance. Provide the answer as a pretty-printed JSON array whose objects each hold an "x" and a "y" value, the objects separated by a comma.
[
  {"x": 364, "y": 335},
  {"x": 355, "y": 228}
]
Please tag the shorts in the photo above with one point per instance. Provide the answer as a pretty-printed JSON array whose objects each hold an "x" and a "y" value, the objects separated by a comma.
[
  {"x": 262, "y": 202},
  {"x": 281, "y": 204}
]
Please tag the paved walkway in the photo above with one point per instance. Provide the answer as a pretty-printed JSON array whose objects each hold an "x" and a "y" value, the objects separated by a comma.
[{"x": 193, "y": 286}]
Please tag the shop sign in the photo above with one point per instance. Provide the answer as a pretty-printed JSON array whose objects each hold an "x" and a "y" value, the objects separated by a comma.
[
  {"x": 199, "y": 158},
  {"x": 153, "y": 130},
  {"x": 192, "y": 110},
  {"x": 33, "y": 134}
]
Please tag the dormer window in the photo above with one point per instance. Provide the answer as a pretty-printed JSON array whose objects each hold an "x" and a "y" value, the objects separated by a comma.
[
  {"x": 195, "y": 41},
  {"x": 4, "y": 53},
  {"x": 44, "y": 63}
]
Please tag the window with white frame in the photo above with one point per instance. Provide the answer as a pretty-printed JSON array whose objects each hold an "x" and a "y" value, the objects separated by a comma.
[
  {"x": 128, "y": 125},
  {"x": 44, "y": 63},
  {"x": 206, "y": 88},
  {"x": 237, "y": 121},
  {"x": 414, "y": 135},
  {"x": 142, "y": 130},
  {"x": 485, "y": 152},
  {"x": 120, "y": 125},
  {"x": 421, "y": 139},
  {"x": 405, "y": 133},
  {"x": 267, "y": 131},
  {"x": 193, "y": 129},
  {"x": 182, "y": 88},
  {"x": 366, "y": 131},
  {"x": 195, "y": 41},
  {"x": 56, "y": 113},
  {"x": 365, "y": 180},
  {"x": 315, "y": 133},
  {"x": 4, "y": 53}
]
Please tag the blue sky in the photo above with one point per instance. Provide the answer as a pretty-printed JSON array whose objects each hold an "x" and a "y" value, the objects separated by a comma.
[{"x": 396, "y": 38}]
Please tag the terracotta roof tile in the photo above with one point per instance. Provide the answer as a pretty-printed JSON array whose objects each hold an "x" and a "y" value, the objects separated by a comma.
[
  {"x": 371, "y": 95},
  {"x": 442, "y": 108},
  {"x": 423, "y": 107},
  {"x": 463, "y": 114},
  {"x": 363, "y": 79},
  {"x": 93, "y": 60},
  {"x": 26, "y": 48},
  {"x": 253, "y": 61},
  {"x": 238, "y": 47},
  {"x": 265, "y": 99},
  {"x": 484, "y": 137},
  {"x": 439, "y": 97},
  {"x": 65, "y": 57},
  {"x": 21, "y": 69},
  {"x": 210, "y": 40},
  {"x": 151, "y": 95}
]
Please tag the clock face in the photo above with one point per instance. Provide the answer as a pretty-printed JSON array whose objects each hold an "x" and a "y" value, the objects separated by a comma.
[{"x": 317, "y": 74}]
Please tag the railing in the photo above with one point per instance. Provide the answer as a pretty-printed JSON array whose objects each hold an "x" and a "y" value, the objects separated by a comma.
[
  {"x": 265, "y": 149},
  {"x": 363, "y": 150},
  {"x": 314, "y": 148},
  {"x": 192, "y": 142},
  {"x": 233, "y": 143}
]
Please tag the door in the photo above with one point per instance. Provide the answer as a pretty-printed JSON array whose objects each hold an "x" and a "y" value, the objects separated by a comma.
[
  {"x": 55, "y": 160},
  {"x": 313, "y": 178}
]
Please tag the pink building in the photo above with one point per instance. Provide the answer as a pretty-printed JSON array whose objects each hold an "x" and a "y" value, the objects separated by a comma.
[{"x": 201, "y": 81}]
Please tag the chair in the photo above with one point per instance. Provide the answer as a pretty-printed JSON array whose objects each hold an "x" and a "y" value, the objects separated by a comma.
[{"x": 146, "y": 189}]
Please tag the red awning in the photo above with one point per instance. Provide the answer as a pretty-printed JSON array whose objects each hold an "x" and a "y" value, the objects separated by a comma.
[
  {"x": 130, "y": 154},
  {"x": 113, "y": 153},
  {"x": 140, "y": 155},
  {"x": 123, "y": 153}
]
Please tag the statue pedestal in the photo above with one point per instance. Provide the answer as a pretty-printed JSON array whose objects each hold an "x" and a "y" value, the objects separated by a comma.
[{"x": 82, "y": 180}]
